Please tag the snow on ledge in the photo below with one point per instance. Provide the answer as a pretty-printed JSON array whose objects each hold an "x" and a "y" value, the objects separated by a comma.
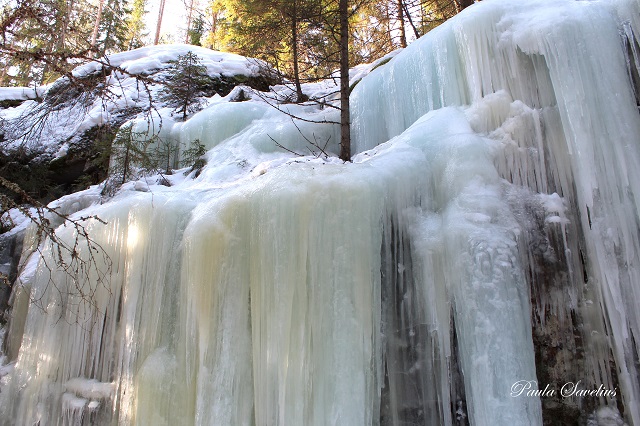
[
  {"x": 21, "y": 93},
  {"x": 148, "y": 58}
]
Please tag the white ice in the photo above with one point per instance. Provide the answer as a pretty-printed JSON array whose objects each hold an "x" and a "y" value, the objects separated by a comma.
[{"x": 283, "y": 289}]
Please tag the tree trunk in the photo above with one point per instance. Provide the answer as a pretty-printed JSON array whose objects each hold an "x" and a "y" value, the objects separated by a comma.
[
  {"x": 5, "y": 68},
  {"x": 189, "y": 17},
  {"x": 159, "y": 24},
  {"x": 403, "y": 34},
  {"x": 214, "y": 28},
  {"x": 410, "y": 19},
  {"x": 167, "y": 170},
  {"x": 187, "y": 98},
  {"x": 3, "y": 75},
  {"x": 125, "y": 166},
  {"x": 387, "y": 23},
  {"x": 345, "y": 129},
  {"x": 96, "y": 26},
  {"x": 294, "y": 44},
  {"x": 64, "y": 25},
  {"x": 108, "y": 32}
]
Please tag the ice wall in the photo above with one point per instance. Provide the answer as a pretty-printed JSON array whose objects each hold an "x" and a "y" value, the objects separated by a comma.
[
  {"x": 266, "y": 307},
  {"x": 554, "y": 83},
  {"x": 491, "y": 210}
]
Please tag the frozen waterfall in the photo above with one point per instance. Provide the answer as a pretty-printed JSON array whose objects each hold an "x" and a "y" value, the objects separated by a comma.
[{"x": 484, "y": 239}]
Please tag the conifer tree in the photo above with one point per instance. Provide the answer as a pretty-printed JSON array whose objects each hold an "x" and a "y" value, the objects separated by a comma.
[
  {"x": 217, "y": 24},
  {"x": 134, "y": 154},
  {"x": 196, "y": 31},
  {"x": 184, "y": 84},
  {"x": 130, "y": 153},
  {"x": 136, "y": 25},
  {"x": 191, "y": 7},
  {"x": 271, "y": 30},
  {"x": 113, "y": 27},
  {"x": 39, "y": 39},
  {"x": 193, "y": 156},
  {"x": 165, "y": 155}
]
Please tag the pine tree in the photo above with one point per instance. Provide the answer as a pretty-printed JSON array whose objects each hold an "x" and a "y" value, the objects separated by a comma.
[
  {"x": 271, "y": 30},
  {"x": 135, "y": 154},
  {"x": 135, "y": 25},
  {"x": 434, "y": 12},
  {"x": 40, "y": 39},
  {"x": 184, "y": 84},
  {"x": 113, "y": 27},
  {"x": 196, "y": 31},
  {"x": 130, "y": 154},
  {"x": 217, "y": 22},
  {"x": 191, "y": 7},
  {"x": 193, "y": 156},
  {"x": 165, "y": 155}
]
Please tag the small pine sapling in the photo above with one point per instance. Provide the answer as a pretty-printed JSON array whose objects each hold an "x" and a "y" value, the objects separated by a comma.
[
  {"x": 193, "y": 156},
  {"x": 185, "y": 83},
  {"x": 165, "y": 155},
  {"x": 130, "y": 155}
]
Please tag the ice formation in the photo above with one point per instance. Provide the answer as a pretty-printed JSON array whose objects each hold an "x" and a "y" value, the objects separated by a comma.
[{"x": 491, "y": 208}]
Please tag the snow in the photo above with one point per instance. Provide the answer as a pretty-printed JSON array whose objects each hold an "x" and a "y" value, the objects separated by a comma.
[
  {"x": 606, "y": 416},
  {"x": 20, "y": 93},
  {"x": 276, "y": 288},
  {"x": 19, "y": 220},
  {"x": 360, "y": 71},
  {"x": 124, "y": 93},
  {"x": 152, "y": 58}
]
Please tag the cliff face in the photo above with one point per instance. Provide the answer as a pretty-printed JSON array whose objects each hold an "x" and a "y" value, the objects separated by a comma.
[{"x": 476, "y": 263}]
